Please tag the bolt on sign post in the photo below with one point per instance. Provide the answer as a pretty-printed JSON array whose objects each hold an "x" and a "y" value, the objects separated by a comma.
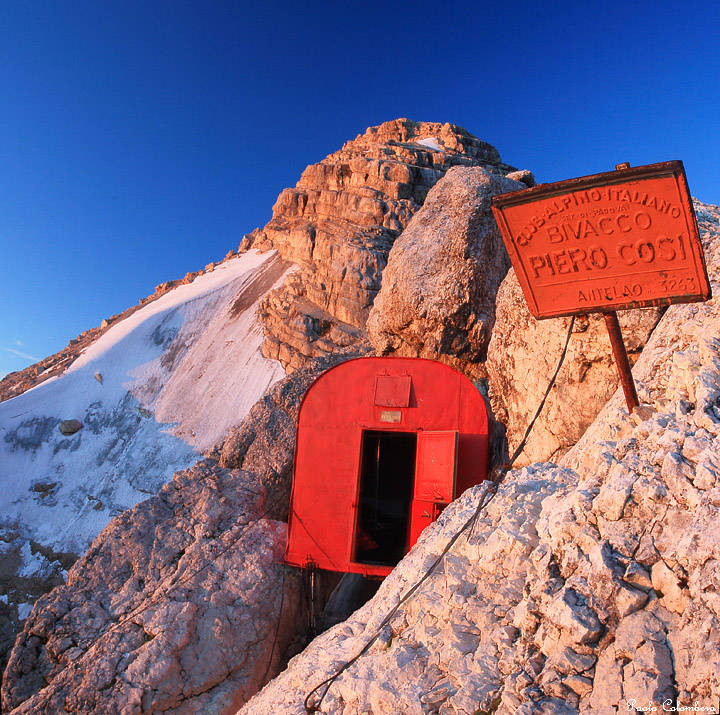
[{"x": 622, "y": 239}]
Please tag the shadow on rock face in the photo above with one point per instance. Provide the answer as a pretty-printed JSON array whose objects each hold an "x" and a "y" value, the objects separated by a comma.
[{"x": 182, "y": 601}]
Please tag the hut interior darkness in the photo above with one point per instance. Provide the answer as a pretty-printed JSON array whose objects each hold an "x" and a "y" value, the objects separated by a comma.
[{"x": 383, "y": 445}]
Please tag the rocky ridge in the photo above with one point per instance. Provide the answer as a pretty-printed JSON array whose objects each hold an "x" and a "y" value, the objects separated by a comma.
[
  {"x": 339, "y": 223},
  {"x": 584, "y": 587},
  {"x": 437, "y": 298}
]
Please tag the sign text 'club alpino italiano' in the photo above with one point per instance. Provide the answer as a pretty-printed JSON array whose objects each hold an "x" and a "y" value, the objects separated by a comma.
[{"x": 623, "y": 239}]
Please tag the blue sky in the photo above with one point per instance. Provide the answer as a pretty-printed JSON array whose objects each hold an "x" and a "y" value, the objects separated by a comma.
[{"x": 141, "y": 140}]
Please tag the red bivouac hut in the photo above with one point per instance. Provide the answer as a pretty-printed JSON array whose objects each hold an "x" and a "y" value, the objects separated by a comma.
[{"x": 383, "y": 445}]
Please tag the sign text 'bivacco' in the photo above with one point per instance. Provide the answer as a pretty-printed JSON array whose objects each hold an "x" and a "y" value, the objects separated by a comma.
[{"x": 622, "y": 239}]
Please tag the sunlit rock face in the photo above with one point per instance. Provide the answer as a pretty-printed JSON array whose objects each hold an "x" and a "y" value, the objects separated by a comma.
[
  {"x": 586, "y": 586},
  {"x": 437, "y": 298},
  {"x": 523, "y": 355},
  {"x": 339, "y": 223},
  {"x": 179, "y": 606}
]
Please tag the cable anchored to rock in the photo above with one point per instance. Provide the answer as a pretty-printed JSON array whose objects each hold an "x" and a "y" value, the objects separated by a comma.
[{"x": 485, "y": 499}]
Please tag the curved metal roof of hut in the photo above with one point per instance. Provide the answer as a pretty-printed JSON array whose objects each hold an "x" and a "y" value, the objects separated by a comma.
[{"x": 383, "y": 444}]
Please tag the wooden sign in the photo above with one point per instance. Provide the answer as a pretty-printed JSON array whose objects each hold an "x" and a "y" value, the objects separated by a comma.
[{"x": 623, "y": 239}]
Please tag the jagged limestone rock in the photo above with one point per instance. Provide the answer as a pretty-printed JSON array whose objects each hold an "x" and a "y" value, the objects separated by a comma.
[
  {"x": 583, "y": 586},
  {"x": 180, "y": 605},
  {"x": 339, "y": 223},
  {"x": 438, "y": 290}
]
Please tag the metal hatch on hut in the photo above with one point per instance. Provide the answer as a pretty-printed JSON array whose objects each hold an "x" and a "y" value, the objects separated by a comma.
[{"x": 383, "y": 445}]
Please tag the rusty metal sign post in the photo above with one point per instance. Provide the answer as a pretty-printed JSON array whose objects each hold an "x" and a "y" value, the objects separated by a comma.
[{"x": 614, "y": 241}]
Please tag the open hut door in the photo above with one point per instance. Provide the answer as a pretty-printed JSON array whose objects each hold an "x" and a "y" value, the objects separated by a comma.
[{"x": 435, "y": 472}]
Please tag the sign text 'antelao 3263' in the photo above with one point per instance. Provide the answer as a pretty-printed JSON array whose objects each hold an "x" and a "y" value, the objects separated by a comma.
[
  {"x": 618, "y": 240},
  {"x": 622, "y": 239}
]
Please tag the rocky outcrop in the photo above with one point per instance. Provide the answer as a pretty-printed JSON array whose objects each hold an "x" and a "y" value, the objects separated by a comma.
[
  {"x": 339, "y": 223},
  {"x": 68, "y": 427},
  {"x": 582, "y": 587},
  {"x": 180, "y": 605},
  {"x": 438, "y": 290},
  {"x": 432, "y": 654},
  {"x": 523, "y": 354}
]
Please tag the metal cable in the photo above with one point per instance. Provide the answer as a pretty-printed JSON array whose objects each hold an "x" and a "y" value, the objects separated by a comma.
[{"x": 486, "y": 498}]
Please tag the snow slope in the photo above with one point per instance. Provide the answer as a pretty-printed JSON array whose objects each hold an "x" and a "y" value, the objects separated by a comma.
[{"x": 152, "y": 392}]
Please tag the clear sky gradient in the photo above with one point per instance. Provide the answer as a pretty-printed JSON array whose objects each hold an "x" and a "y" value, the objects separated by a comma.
[{"x": 141, "y": 140}]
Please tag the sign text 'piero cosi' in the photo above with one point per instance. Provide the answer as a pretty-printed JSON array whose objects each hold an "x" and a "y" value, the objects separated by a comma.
[{"x": 622, "y": 239}]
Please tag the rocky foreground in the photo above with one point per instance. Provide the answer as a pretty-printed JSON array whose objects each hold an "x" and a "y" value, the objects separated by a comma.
[
  {"x": 586, "y": 585},
  {"x": 588, "y": 581}
]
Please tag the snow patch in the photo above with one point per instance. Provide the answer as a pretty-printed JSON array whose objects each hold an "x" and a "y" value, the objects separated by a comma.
[
  {"x": 24, "y": 610},
  {"x": 33, "y": 564},
  {"x": 177, "y": 374},
  {"x": 430, "y": 143}
]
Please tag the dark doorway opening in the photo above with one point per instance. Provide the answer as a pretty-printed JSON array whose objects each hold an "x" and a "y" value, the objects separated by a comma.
[{"x": 387, "y": 471}]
